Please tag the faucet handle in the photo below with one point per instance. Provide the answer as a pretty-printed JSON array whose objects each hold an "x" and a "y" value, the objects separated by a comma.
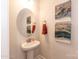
[{"x": 28, "y": 40}]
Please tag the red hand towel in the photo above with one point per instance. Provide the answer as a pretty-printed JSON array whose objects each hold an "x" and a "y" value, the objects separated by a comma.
[
  {"x": 33, "y": 28},
  {"x": 44, "y": 29}
]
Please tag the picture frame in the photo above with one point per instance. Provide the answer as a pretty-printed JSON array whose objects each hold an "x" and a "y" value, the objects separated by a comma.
[
  {"x": 63, "y": 10},
  {"x": 63, "y": 31},
  {"x": 63, "y": 22}
]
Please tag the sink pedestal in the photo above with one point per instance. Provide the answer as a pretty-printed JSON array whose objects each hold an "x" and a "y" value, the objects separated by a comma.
[
  {"x": 30, "y": 54},
  {"x": 29, "y": 48}
]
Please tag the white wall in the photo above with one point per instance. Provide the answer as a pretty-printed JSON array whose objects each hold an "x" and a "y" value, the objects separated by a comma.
[
  {"x": 15, "y": 6},
  {"x": 4, "y": 30},
  {"x": 46, "y": 13},
  {"x": 49, "y": 47}
]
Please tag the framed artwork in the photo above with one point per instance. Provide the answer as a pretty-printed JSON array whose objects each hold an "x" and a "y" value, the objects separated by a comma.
[
  {"x": 63, "y": 22},
  {"x": 63, "y": 10},
  {"x": 28, "y": 20},
  {"x": 63, "y": 30}
]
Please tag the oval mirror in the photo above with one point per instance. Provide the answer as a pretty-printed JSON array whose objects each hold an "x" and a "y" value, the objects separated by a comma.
[{"x": 24, "y": 22}]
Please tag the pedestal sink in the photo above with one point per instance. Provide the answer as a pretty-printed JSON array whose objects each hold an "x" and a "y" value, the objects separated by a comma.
[{"x": 29, "y": 47}]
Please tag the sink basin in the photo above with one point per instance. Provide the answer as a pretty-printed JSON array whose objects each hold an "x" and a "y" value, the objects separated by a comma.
[{"x": 30, "y": 45}]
